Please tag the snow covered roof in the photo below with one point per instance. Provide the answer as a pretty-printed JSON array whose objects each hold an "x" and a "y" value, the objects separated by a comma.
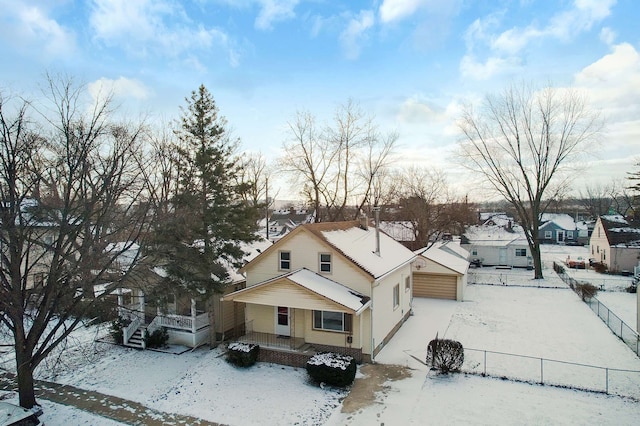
[
  {"x": 495, "y": 235},
  {"x": 448, "y": 254},
  {"x": 318, "y": 284},
  {"x": 251, "y": 250},
  {"x": 496, "y": 218},
  {"x": 619, "y": 231},
  {"x": 359, "y": 246},
  {"x": 563, "y": 220}
]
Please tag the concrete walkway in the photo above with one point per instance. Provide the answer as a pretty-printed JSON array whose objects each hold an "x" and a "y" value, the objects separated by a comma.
[{"x": 108, "y": 406}]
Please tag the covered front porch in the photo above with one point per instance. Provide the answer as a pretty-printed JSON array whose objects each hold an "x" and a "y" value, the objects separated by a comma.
[
  {"x": 188, "y": 326},
  {"x": 304, "y": 312}
]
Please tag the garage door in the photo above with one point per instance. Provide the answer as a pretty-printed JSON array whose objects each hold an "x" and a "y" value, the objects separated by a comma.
[{"x": 434, "y": 286}]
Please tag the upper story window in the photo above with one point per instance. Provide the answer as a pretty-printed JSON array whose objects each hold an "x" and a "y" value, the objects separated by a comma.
[
  {"x": 284, "y": 263},
  {"x": 521, "y": 252},
  {"x": 547, "y": 234},
  {"x": 396, "y": 296},
  {"x": 325, "y": 262}
]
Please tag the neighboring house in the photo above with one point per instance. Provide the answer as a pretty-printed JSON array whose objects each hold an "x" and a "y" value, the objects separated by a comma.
[
  {"x": 495, "y": 219},
  {"x": 187, "y": 320},
  {"x": 332, "y": 286},
  {"x": 557, "y": 228},
  {"x": 440, "y": 271},
  {"x": 497, "y": 246},
  {"x": 284, "y": 221},
  {"x": 615, "y": 242}
]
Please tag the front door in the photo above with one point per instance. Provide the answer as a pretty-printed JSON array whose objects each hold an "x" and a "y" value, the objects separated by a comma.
[
  {"x": 282, "y": 321},
  {"x": 502, "y": 260},
  {"x": 560, "y": 236}
]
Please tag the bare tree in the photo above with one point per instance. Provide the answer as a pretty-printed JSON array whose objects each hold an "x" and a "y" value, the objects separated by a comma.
[
  {"x": 337, "y": 166},
  {"x": 69, "y": 193},
  {"x": 596, "y": 199},
  {"x": 522, "y": 142}
]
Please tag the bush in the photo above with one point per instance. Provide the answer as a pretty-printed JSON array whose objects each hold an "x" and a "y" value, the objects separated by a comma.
[
  {"x": 445, "y": 355},
  {"x": 242, "y": 354},
  {"x": 600, "y": 267},
  {"x": 632, "y": 288},
  {"x": 586, "y": 291},
  {"x": 157, "y": 339},
  {"x": 116, "y": 328},
  {"x": 332, "y": 368}
]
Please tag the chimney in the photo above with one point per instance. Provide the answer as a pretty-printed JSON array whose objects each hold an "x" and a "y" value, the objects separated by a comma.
[{"x": 376, "y": 211}]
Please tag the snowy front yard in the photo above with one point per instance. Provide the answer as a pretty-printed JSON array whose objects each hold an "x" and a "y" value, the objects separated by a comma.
[{"x": 522, "y": 317}]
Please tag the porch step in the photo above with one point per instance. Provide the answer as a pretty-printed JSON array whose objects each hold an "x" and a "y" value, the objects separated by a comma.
[{"x": 137, "y": 339}]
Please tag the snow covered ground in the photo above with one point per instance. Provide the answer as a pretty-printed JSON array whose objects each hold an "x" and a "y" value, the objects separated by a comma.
[{"x": 518, "y": 316}]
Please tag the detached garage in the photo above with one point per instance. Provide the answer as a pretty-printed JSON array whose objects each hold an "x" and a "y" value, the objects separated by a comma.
[{"x": 440, "y": 272}]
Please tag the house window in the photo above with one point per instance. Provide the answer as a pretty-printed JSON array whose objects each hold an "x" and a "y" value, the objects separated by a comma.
[
  {"x": 396, "y": 296},
  {"x": 407, "y": 284},
  {"x": 332, "y": 321},
  {"x": 38, "y": 280},
  {"x": 598, "y": 249},
  {"x": 591, "y": 249},
  {"x": 598, "y": 232},
  {"x": 285, "y": 260},
  {"x": 48, "y": 240},
  {"x": 325, "y": 262},
  {"x": 547, "y": 235},
  {"x": 604, "y": 255},
  {"x": 570, "y": 234},
  {"x": 474, "y": 252},
  {"x": 521, "y": 252}
]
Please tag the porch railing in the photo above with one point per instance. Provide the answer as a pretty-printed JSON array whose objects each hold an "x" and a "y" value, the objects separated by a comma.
[
  {"x": 270, "y": 340},
  {"x": 181, "y": 322},
  {"x": 130, "y": 329}
]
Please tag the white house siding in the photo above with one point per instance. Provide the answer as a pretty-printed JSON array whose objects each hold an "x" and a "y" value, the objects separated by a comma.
[
  {"x": 305, "y": 251},
  {"x": 623, "y": 259},
  {"x": 599, "y": 245},
  {"x": 490, "y": 255},
  {"x": 386, "y": 318},
  {"x": 332, "y": 338},
  {"x": 262, "y": 318}
]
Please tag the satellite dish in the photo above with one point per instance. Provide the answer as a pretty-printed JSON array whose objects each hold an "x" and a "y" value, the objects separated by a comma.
[{"x": 420, "y": 263}]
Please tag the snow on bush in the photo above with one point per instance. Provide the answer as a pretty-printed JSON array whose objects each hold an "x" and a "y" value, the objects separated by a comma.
[
  {"x": 242, "y": 354},
  {"x": 332, "y": 368},
  {"x": 445, "y": 355}
]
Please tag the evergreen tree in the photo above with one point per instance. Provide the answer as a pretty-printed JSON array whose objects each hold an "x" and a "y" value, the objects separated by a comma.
[{"x": 209, "y": 220}]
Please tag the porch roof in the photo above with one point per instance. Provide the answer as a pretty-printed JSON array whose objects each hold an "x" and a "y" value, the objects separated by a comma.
[{"x": 303, "y": 289}]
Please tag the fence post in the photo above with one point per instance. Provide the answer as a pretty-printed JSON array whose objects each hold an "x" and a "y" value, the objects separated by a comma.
[
  {"x": 541, "y": 372},
  {"x": 607, "y": 379},
  {"x": 485, "y": 362}
]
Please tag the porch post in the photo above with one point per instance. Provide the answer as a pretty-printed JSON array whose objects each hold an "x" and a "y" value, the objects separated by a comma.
[
  {"x": 141, "y": 307},
  {"x": 193, "y": 315},
  {"x": 120, "y": 304}
]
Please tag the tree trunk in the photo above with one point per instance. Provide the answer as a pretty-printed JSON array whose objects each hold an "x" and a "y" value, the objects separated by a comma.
[
  {"x": 26, "y": 390},
  {"x": 537, "y": 261}
]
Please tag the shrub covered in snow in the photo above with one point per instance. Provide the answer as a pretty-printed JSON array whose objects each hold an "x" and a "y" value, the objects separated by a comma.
[
  {"x": 116, "y": 328},
  {"x": 332, "y": 369},
  {"x": 242, "y": 354},
  {"x": 445, "y": 355}
]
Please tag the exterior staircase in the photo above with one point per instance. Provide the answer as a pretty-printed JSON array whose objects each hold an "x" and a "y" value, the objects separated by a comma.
[{"x": 137, "y": 340}]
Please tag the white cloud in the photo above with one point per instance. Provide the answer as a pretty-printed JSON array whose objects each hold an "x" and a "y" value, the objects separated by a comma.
[
  {"x": 492, "y": 66},
  {"x": 274, "y": 10},
  {"x": 145, "y": 27},
  {"x": 613, "y": 81},
  {"x": 120, "y": 88},
  {"x": 356, "y": 33},
  {"x": 607, "y": 35},
  {"x": 395, "y": 10},
  {"x": 413, "y": 110},
  {"x": 31, "y": 28},
  {"x": 504, "y": 47}
]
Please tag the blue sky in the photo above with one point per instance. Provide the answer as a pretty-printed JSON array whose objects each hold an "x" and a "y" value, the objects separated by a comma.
[{"x": 411, "y": 63}]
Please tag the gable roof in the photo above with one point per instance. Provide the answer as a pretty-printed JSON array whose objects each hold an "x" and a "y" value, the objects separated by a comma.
[
  {"x": 620, "y": 232},
  {"x": 359, "y": 245},
  {"x": 315, "y": 283},
  {"x": 562, "y": 220},
  {"x": 448, "y": 254},
  {"x": 495, "y": 236},
  {"x": 355, "y": 244}
]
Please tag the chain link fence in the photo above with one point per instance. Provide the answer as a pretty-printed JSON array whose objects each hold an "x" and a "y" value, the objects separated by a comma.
[
  {"x": 552, "y": 372},
  {"x": 621, "y": 329}
]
